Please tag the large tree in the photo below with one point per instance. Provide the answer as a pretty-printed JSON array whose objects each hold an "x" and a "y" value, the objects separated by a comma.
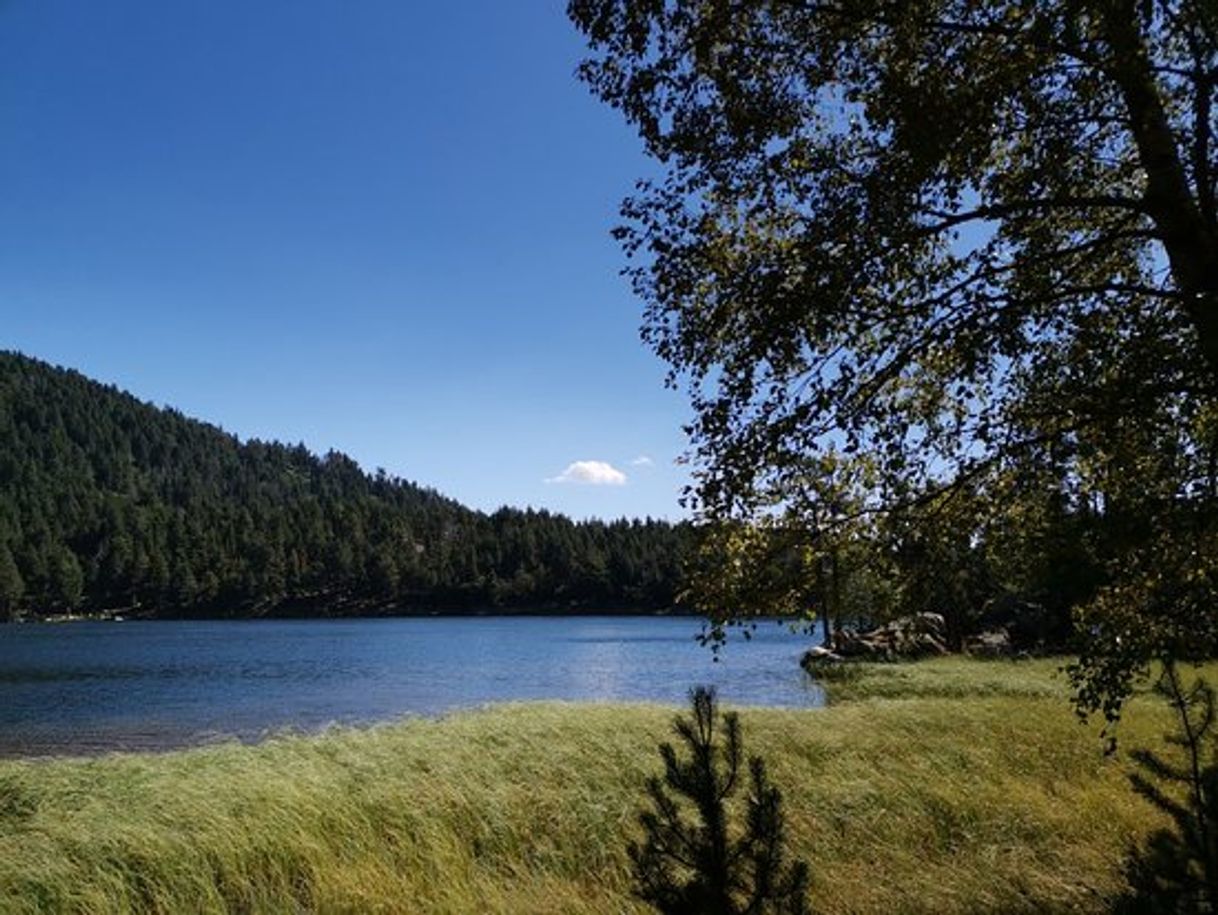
[{"x": 974, "y": 244}]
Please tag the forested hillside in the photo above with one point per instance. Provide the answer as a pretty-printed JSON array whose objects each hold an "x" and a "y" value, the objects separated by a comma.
[{"x": 107, "y": 503}]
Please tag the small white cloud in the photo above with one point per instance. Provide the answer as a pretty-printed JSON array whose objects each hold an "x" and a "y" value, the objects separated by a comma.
[
  {"x": 590, "y": 473},
  {"x": 642, "y": 461}
]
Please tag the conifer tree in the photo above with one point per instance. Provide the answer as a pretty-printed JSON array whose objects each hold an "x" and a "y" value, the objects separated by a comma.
[
  {"x": 67, "y": 581},
  {"x": 11, "y": 585},
  {"x": 706, "y": 867},
  {"x": 1176, "y": 873}
]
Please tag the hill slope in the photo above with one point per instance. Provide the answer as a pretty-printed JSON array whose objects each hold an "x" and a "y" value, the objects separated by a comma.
[{"x": 109, "y": 502}]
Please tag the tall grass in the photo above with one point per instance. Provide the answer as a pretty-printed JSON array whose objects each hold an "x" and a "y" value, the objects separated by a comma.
[{"x": 947, "y": 800}]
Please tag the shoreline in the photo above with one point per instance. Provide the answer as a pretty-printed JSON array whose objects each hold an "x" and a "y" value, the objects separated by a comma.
[
  {"x": 142, "y": 616},
  {"x": 975, "y": 792}
]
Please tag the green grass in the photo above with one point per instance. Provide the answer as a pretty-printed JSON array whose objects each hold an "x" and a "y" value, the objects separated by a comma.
[
  {"x": 952, "y": 677},
  {"x": 949, "y": 786}
]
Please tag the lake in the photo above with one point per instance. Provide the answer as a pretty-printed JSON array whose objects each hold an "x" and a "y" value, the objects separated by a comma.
[{"x": 92, "y": 687}]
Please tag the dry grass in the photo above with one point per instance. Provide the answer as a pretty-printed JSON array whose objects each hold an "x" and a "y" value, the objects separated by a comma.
[{"x": 976, "y": 791}]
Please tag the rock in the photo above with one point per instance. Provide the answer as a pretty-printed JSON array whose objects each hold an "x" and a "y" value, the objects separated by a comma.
[
  {"x": 849, "y": 644},
  {"x": 918, "y": 635},
  {"x": 915, "y": 636},
  {"x": 992, "y": 643},
  {"x": 819, "y": 656}
]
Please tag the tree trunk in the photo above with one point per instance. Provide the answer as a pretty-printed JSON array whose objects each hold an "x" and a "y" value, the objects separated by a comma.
[{"x": 1189, "y": 238}]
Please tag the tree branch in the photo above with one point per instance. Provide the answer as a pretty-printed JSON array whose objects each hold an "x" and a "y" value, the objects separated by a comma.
[{"x": 949, "y": 219}]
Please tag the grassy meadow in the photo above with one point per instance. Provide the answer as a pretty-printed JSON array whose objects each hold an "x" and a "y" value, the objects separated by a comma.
[{"x": 945, "y": 786}]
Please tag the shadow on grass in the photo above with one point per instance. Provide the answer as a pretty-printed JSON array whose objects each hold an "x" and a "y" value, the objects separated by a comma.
[{"x": 1176, "y": 871}]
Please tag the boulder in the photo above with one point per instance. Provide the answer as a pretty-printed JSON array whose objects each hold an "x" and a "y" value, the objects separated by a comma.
[
  {"x": 915, "y": 636},
  {"x": 918, "y": 635},
  {"x": 819, "y": 657},
  {"x": 993, "y": 643}
]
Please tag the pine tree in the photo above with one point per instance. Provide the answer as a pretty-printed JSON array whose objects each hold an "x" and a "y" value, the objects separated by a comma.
[
  {"x": 67, "y": 580},
  {"x": 11, "y": 586},
  {"x": 705, "y": 867},
  {"x": 1176, "y": 873}
]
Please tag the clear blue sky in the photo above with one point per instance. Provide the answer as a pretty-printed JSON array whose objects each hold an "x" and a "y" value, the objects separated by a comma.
[{"x": 375, "y": 226}]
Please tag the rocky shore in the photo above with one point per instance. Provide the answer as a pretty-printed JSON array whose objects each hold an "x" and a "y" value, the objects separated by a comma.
[{"x": 919, "y": 635}]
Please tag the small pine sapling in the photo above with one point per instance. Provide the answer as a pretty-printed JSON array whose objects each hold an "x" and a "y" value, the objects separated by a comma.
[
  {"x": 704, "y": 866},
  {"x": 1177, "y": 870}
]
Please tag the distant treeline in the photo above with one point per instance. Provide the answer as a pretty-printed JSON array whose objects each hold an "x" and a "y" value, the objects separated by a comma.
[{"x": 107, "y": 502}]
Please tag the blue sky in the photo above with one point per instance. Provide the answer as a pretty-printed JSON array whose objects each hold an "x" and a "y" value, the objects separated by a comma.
[{"x": 375, "y": 226}]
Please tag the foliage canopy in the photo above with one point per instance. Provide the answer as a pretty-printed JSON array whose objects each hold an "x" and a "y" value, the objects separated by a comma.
[
  {"x": 965, "y": 247},
  {"x": 107, "y": 502}
]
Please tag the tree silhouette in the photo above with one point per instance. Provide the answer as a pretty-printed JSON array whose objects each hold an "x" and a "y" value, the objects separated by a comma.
[
  {"x": 700, "y": 867},
  {"x": 1177, "y": 870},
  {"x": 921, "y": 252}
]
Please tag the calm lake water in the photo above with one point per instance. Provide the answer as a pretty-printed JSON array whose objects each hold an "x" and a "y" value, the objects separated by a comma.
[{"x": 91, "y": 687}]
